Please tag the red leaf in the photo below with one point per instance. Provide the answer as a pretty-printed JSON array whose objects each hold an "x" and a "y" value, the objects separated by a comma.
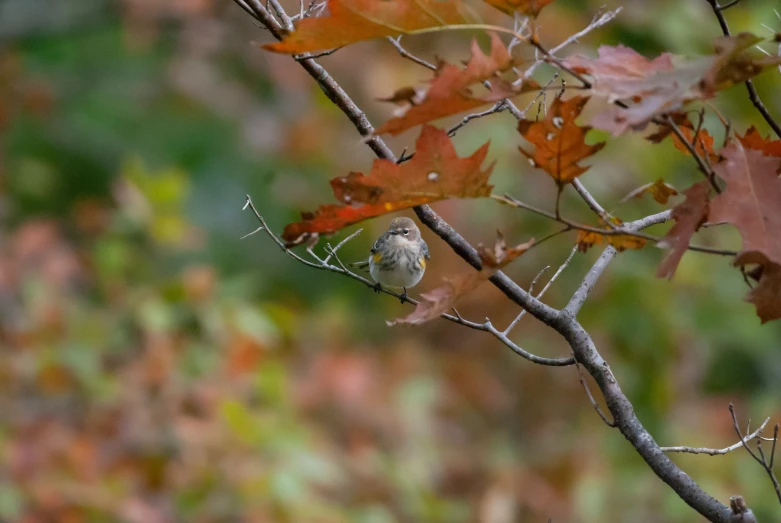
[
  {"x": 560, "y": 142},
  {"x": 352, "y": 21},
  {"x": 449, "y": 91},
  {"x": 443, "y": 299},
  {"x": 689, "y": 215},
  {"x": 660, "y": 86},
  {"x": 435, "y": 173},
  {"x": 752, "y": 199},
  {"x": 751, "y": 203}
]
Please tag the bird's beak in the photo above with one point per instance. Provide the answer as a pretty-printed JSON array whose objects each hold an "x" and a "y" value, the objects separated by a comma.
[{"x": 393, "y": 232}]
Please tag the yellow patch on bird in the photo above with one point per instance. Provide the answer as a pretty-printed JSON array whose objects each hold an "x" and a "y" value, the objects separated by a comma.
[
  {"x": 423, "y": 263},
  {"x": 377, "y": 257}
]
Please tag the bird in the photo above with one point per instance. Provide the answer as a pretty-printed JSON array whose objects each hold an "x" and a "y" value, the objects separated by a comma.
[{"x": 398, "y": 258}]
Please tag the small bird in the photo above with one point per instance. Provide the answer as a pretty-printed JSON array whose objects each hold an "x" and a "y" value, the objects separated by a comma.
[{"x": 398, "y": 257}]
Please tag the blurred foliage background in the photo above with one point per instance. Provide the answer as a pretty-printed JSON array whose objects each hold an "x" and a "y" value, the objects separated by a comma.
[{"x": 155, "y": 368}]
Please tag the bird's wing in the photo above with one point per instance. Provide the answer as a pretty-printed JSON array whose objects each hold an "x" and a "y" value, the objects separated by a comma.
[
  {"x": 424, "y": 248},
  {"x": 380, "y": 241}
]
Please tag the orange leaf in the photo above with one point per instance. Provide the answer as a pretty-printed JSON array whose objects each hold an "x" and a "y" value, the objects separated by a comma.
[
  {"x": 449, "y": 91},
  {"x": 443, "y": 299},
  {"x": 435, "y": 173},
  {"x": 352, "y": 21},
  {"x": 560, "y": 142},
  {"x": 704, "y": 145},
  {"x": 587, "y": 239},
  {"x": 689, "y": 216},
  {"x": 524, "y": 7}
]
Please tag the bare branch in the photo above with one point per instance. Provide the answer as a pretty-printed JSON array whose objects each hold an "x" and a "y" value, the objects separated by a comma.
[
  {"x": 610, "y": 252},
  {"x": 761, "y": 458},
  {"x": 717, "y": 452},
  {"x": 598, "y": 21},
  {"x": 396, "y": 42},
  {"x": 544, "y": 289}
]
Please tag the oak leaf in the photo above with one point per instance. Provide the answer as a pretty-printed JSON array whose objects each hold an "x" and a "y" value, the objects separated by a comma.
[
  {"x": 665, "y": 84},
  {"x": 689, "y": 215},
  {"x": 352, "y": 21},
  {"x": 751, "y": 203},
  {"x": 766, "y": 295},
  {"x": 449, "y": 91},
  {"x": 442, "y": 299},
  {"x": 753, "y": 140},
  {"x": 559, "y": 142},
  {"x": 524, "y": 7},
  {"x": 436, "y": 172},
  {"x": 704, "y": 140}
]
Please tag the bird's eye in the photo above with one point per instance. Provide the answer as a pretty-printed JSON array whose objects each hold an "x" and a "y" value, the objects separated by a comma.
[{"x": 406, "y": 232}]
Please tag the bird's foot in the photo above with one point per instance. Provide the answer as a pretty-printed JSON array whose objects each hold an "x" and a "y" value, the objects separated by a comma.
[
  {"x": 404, "y": 297},
  {"x": 377, "y": 288}
]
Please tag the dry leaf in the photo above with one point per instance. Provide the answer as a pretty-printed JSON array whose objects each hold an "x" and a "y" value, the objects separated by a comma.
[
  {"x": 443, "y": 299},
  {"x": 449, "y": 92},
  {"x": 435, "y": 173},
  {"x": 559, "y": 142},
  {"x": 689, "y": 215},
  {"x": 352, "y": 21}
]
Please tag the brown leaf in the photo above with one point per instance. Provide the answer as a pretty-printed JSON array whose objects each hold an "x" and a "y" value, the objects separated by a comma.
[
  {"x": 352, "y": 21},
  {"x": 766, "y": 296},
  {"x": 449, "y": 92},
  {"x": 689, "y": 215},
  {"x": 660, "y": 191},
  {"x": 621, "y": 72},
  {"x": 436, "y": 172},
  {"x": 587, "y": 239},
  {"x": 559, "y": 142},
  {"x": 524, "y": 7},
  {"x": 751, "y": 203},
  {"x": 443, "y": 299},
  {"x": 734, "y": 64},
  {"x": 666, "y": 83}
]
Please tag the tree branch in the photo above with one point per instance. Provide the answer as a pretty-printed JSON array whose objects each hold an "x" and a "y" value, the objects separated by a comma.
[
  {"x": 718, "y": 452},
  {"x": 562, "y": 321},
  {"x": 752, "y": 91}
]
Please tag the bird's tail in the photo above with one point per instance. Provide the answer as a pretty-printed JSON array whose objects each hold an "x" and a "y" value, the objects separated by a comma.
[{"x": 363, "y": 265}]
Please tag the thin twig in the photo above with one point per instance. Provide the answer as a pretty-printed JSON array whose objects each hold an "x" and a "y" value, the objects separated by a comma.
[
  {"x": 594, "y": 403},
  {"x": 544, "y": 289},
  {"x": 622, "y": 230},
  {"x": 341, "y": 268},
  {"x": 752, "y": 91},
  {"x": 709, "y": 175},
  {"x": 761, "y": 458},
  {"x": 717, "y": 452}
]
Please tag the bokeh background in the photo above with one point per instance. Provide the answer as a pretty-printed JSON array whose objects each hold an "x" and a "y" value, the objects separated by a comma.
[{"x": 156, "y": 368}]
